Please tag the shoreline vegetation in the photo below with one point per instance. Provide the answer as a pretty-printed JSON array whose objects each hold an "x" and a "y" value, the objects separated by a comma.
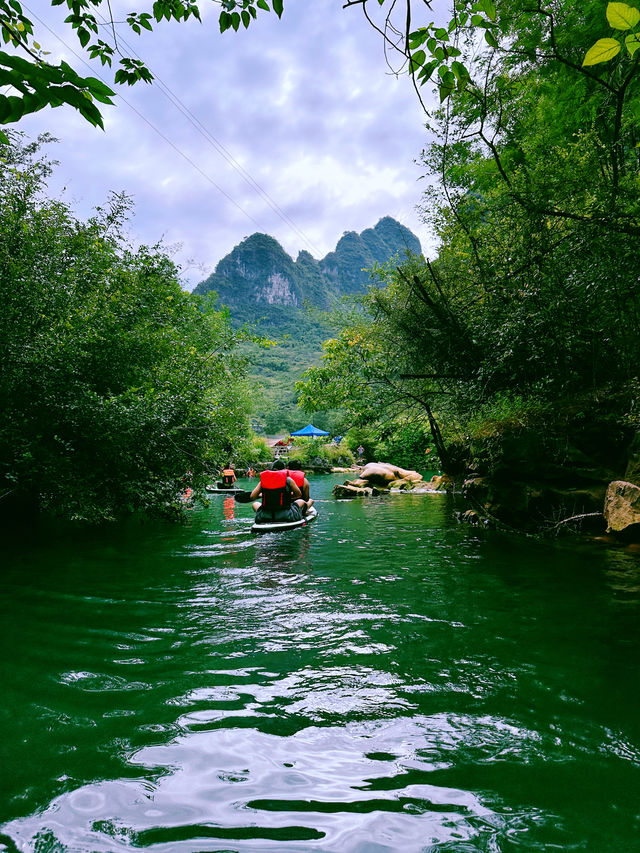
[
  {"x": 508, "y": 360},
  {"x": 122, "y": 391}
]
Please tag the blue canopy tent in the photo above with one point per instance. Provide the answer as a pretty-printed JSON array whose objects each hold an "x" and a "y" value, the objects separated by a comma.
[{"x": 310, "y": 432}]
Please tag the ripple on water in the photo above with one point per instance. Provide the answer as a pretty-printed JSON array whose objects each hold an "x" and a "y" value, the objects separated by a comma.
[
  {"x": 364, "y": 786},
  {"x": 380, "y": 681}
]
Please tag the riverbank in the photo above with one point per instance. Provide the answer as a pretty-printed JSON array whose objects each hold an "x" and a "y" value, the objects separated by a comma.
[{"x": 554, "y": 478}]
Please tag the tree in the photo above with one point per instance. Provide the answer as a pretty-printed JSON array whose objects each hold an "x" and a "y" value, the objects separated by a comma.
[
  {"x": 117, "y": 387},
  {"x": 363, "y": 374},
  {"x": 422, "y": 49},
  {"x": 531, "y": 304},
  {"x": 35, "y": 82}
]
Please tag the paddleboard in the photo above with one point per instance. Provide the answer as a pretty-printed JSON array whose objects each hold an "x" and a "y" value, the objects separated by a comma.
[
  {"x": 271, "y": 526},
  {"x": 234, "y": 490}
]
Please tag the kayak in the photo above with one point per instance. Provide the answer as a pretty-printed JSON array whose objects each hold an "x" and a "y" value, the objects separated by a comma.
[{"x": 271, "y": 526}]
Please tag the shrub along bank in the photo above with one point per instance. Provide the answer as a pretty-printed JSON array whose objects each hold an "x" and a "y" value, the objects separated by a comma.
[{"x": 118, "y": 389}]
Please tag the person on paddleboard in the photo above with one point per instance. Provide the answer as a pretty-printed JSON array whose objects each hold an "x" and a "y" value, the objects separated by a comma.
[
  {"x": 297, "y": 475},
  {"x": 228, "y": 477},
  {"x": 281, "y": 497}
]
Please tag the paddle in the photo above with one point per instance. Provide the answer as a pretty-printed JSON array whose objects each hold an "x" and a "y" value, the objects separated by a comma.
[{"x": 243, "y": 497}]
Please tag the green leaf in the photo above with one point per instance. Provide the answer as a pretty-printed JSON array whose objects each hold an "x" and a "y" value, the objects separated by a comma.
[
  {"x": 417, "y": 60},
  {"x": 99, "y": 91},
  {"x": 5, "y": 108},
  {"x": 278, "y": 7},
  {"x": 418, "y": 38},
  {"x": 602, "y": 51},
  {"x": 632, "y": 42},
  {"x": 427, "y": 71},
  {"x": 490, "y": 10},
  {"x": 16, "y": 109},
  {"x": 490, "y": 39},
  {"x": 460, "y": 71},
  {"x": 262, "y": 4},
  {"x": 445, "y": 91},
  {"x": 622, "y": 17}
]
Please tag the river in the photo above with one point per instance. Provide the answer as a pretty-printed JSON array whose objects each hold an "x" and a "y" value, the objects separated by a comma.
[{"x": 383, "y": 679}]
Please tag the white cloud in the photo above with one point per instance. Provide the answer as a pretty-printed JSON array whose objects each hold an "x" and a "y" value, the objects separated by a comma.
[{"x": 303, "y": 104}]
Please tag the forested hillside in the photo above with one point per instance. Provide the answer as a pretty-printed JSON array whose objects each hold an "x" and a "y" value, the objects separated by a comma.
[{"x": 290, "y": 302}]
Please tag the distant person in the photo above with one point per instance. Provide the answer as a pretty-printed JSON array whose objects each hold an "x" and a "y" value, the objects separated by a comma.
[
  {"x": 250, "y": 472},
  {"x": 360, "y": 452},
  {"x": 281, "y": 498},
  {"x": 297, "y": 475},
  {"x": 228, "y": 477}
]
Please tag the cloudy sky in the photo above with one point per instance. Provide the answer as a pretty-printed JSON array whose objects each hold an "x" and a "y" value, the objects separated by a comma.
[{"x": 295, "y": 128}]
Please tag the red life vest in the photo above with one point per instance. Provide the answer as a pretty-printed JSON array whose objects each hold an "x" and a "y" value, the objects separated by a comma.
[
  {"x": 275, "y": 494},
  {"x": 297, "y": 477},
  {"x": 228, "y": 476}
]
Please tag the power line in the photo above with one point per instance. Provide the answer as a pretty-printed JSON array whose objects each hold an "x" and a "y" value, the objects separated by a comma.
[
  {"x": 224, "y": 152},
  {"x": 146, "y": 120}
]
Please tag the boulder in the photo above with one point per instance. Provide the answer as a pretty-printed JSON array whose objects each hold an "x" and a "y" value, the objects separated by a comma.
[
  {"x": 375, "y": 472},
  {"x": 383, "y": 473},
  {"x": 402, "y": 485},
  {"x": 621, "y": 505},
  {"x": 350, "y": 491},
  {"x": 379, "y": 478},
  {"x": 439, "y": 481}
]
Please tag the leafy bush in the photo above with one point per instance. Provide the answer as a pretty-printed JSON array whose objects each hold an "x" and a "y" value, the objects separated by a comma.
[
  {"x": 255, "y": 452},
  {"x": 117, "y": 387},
  {"x": 311, "y": 452},
  {"x": 408, "y": 445},
  {"x": 506, "y": 411}
]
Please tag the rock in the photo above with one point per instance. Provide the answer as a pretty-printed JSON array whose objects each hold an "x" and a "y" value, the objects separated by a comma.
[
  {"x": 402, "y": 485},
  {"x": 439, "y": 481},
  {"x": 374, "y": 472},
  {"x": 470, "y": 516},
  {"x": 319, "y": 465},
  {"x": 383, "y": 473},
  {"x": 621, "y": 505},
  {"x": 379, "y": 478},
  {"x": 349, "y": 491}
]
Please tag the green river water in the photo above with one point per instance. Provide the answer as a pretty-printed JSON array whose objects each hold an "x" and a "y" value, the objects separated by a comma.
[{"x": 383, "y": 679}]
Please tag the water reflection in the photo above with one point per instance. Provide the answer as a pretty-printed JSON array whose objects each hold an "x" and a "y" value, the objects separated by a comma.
[
  {"x": 356, "y": 787},
  {"x": 382, "y": 680}
]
